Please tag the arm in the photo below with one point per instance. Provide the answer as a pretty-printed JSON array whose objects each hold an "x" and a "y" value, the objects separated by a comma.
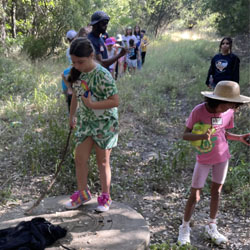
[
  {"x": 67, "y": 84},
  {"x": 189, "y": 136},
  {"x": 107, "y": 62},
  {"x": 245, "y": 138},
  {"x": 145, "y": 42},
  {"x": 210, "y": 72},
  {"x": 236, "y": 70},
  {"x": 208, "y": 76},
  {"x": 73, "y": 108},
  {"x": 111, "y": 102}
]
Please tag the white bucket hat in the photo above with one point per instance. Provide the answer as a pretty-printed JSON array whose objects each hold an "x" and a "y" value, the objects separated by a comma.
[
  {"x": 71, "y": 34},
  {"x": 228, "y": 91}
]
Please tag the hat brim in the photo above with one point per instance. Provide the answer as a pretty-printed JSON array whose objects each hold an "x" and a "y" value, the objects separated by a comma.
[
  {"x": 239, "y": 99},
  {"x": 98, "y": 21},
  {"x": 94, "y": 22}
]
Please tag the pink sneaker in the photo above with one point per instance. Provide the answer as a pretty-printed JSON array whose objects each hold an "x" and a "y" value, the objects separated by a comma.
[
  {"x": 104, "y": 202},
  {"x": 78, "y": 198}
]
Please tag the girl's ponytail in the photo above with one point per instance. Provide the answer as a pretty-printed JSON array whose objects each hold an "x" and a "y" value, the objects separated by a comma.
[
  {"x": 73, "y": 75},
  {"x": 80, "y": 47}
]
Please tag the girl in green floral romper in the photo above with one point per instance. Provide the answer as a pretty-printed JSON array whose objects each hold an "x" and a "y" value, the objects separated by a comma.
[{"x": 94, "y": 114}]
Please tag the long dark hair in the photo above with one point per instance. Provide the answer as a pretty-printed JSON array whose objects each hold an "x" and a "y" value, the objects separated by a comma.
[
  {"x": 139, "y": 32},
  {"x": 230, "y": 43},
  {"x": 80, "y": 47},
  {"x": 126, "y": 31}
]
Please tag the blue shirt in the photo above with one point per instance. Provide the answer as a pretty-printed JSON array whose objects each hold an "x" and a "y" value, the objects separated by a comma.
[
  {"x": 98, "y": 45},
  {"x": 66, "y": 73}
]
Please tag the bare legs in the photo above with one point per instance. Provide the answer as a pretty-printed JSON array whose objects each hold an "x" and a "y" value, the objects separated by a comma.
[
  {"x": 215, "y": 199},
  {"x": 103, "y": 157},
  {"x": 195, "y": 197},
  {"x": 82, "y": 154},
  {"x": 192, "y": 200}
]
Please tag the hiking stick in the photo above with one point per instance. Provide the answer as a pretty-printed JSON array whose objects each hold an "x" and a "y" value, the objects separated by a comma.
[{"x": 29, "y": 211}]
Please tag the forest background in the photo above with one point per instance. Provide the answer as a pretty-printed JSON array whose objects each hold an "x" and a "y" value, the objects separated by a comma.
[
  {"x": 39, "y": 26},
  {"x": 151, "y": 166}
]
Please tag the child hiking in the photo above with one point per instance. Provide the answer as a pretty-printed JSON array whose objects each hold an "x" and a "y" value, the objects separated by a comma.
[
  {"x": 67, "y": 90},
  {"x": 216, "y": 114},
  {"x": 132, "y": 56},
  {"x": 112, "y": 51},
  {"x": 94, "y": 114},
  {"x": 224, "y": 65}
]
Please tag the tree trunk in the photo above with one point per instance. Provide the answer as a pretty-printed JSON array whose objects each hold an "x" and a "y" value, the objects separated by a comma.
[
  {"x": 13, "y": 19},
  {"x": 2, "y": 23}
]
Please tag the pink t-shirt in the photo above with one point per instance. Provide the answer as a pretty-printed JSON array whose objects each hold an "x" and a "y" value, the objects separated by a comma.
[{"x": 216, "y": 150}]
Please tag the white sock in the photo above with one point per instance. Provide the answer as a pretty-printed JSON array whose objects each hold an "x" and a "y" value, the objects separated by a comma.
[
  {"x": 212, "y": 221},
  {"x": 185, "y": 223}
]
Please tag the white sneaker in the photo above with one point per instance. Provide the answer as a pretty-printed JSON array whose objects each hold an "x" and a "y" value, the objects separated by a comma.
[
  {"x": 184, "y": 235},
  {"x": 212, "y": 233}
]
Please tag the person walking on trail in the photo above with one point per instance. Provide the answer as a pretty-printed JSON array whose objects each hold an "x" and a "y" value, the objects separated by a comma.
[
  {"x": 120, "y": 63},
  {"x": 94, "y": 104},
  {"x": 99, "y": 22},
  {"x": 126, "y": 37},
  {"x": 84, "y": 31},
  {"x": 137, "y": 33},
  {"x": 213, "y": 117},
  {"x": 111, "y": 53},
  {"x": 71, "y": 35},
  {"x": 224, "y": 65},
  {"x": 133, "y": 53},
  {"x": 144, "y": 44},
  {"x": 67, "y": 90},
  {"x": 129, "y": 35}
]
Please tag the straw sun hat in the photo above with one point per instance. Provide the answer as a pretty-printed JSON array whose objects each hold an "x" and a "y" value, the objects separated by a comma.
[{"x": 228, "y": 91}]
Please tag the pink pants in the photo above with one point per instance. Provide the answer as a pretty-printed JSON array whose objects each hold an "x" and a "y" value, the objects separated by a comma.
[{"x": 201, "y": 171}]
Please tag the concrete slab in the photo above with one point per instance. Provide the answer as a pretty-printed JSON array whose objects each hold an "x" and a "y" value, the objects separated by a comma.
[{"x": 121, "y": 228}]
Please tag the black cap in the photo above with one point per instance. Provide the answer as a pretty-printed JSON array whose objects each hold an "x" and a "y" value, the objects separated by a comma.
[{"x": 99, "y": 16}]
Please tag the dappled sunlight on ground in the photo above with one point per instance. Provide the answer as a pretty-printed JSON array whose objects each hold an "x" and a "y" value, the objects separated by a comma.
[
  {"x": 190, "y": 35},
  {"x": 187, "y": 35}
]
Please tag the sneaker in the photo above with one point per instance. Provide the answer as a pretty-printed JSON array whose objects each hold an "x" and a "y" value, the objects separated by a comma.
[
  {"x": 212, "y": 233},
  {"x": 184, "y": 235},
  {"x": 104, "y": 202},
  {"x": 78, "y": 198}
]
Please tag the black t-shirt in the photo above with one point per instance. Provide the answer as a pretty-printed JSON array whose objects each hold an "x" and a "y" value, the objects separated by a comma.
[
  {"x": 224, "y": 67},
  {"x": 99, "y": 45}
]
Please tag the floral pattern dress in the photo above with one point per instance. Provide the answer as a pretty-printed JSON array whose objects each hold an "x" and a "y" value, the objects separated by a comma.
[{"x": 101, "y": 125}]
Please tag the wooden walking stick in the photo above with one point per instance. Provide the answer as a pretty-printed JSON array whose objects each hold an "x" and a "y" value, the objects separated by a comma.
[{"x": 29, "y": 211}]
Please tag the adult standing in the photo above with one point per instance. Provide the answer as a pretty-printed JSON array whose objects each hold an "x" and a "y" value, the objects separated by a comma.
[
  {"x": 129, "y": 35},
  {"x": 137, "y": 33},
  {"x": 99, "y": 22},
  {"x": 224, "y": 65}
]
